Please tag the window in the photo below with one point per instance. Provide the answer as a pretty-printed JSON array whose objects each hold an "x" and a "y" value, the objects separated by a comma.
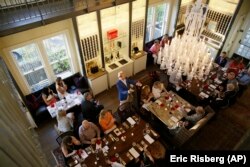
[
  {"x": 156, "y": 21},
  {"x": 39, "y": 70},
  {"x": 244, "y": 48},
  {"x": 30, "y": 65},
  {"x": 58, "y": 55}
]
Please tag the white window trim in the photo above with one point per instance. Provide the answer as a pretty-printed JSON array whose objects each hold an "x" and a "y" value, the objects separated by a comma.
[{"x": 18, "y": 75}]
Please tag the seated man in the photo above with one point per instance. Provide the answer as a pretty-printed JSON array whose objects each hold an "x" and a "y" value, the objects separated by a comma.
[
  {"x": 157, "y": 89},
  {"x": 231, "y": 79},
  {"x": 107, "y": 121},
  {"x": 244, "y": 80},
  {"x": 221, "y": 60},
  {"x": 49, "y": 97},
  {"x": 69, "y": 146},
  {"x": 125, "y": 87},
  {"x": 88, "y": 132},
  {"x": 199, "y": 114},
  {"x": 61, "y": 88},
  {"x": 90, "y": 108},
  {"x": 223, "y": 99}
]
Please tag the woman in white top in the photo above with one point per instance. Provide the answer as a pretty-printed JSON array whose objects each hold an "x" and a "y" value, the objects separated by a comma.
[
  {"x": 64, "y": 122},
  {"x": 157, "y": 89},
  {"x": 61, "y": 88}
]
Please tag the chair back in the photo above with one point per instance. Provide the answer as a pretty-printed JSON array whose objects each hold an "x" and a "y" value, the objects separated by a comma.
[{"x": 61, "y": 136}]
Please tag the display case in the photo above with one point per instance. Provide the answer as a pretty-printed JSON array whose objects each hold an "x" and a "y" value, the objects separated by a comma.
[
  {"x": 91, "y": 51},
  {"x": 115, "y": 36},
  {"x": 138, "y": 56},
  {"x": 138, "y": 24}
]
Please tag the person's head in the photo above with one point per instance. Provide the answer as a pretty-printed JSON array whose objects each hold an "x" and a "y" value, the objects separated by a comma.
[
  {"x": 67, "y": 141},
  {"x": 224, "y": 54},
  {"x": 231, "y": 75},
  {"x": 46, "y": 91},
  {"x": 157, "y": 42},
  {"x": 157, "y": 85},
  {"x": 62, "y": 113},
  {"x": 157, "y": 150},
  {"x": 103, "y": 114},
  {"x": 199, "y": 110},
  {"x": 85, "y": 124},
  {"x": 58, "y": 80},
  {"x": 230, "y": 87},
  {"x": 87, "y": 96},
  {"x": 121, "y": 75},
  {"x": 145, "y": 90}
]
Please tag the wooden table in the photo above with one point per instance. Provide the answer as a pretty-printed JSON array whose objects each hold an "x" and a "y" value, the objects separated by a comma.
[
  {"x": 134, "y": 134},
  {"x": 168, "y": 108}
]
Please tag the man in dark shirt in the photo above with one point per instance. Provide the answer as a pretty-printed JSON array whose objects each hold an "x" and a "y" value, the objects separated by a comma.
[
  {"x": 221, "y": 60},
  {"x": 90, "y": 108}
]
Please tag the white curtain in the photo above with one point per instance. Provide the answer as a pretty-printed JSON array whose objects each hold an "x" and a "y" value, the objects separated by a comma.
[{"x": 19, "y": 145}]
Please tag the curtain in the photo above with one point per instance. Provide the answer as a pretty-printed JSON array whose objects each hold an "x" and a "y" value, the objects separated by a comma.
[{"x": 19, "y": 144}]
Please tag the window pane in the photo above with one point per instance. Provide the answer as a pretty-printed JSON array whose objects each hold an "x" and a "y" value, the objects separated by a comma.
[
  {"x": 58, "y": 55},
  {"x": 27, "y": 58},
  {"x": 150, "y": 16},
  {"x": 30, "y": 65},
  {"x": 158, "y": 30},
  {"x": 159, "y": 20}
]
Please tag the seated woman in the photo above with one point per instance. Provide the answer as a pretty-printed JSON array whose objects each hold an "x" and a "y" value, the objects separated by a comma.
[
  {"x": 146, "y": 96},
  {"x": 107, "y": 121},
  {"x": 49, "y": 97},
  {"x": 157, "y": 89},
  {"x": 154, "y": 155},
  {"x": 61, "y": 88},
  {"x": 70, "y": 145},
  {"x": 236, "y": 65},
  {"x": 64, "y": 121},
  {"x": 193, "y": 118}
]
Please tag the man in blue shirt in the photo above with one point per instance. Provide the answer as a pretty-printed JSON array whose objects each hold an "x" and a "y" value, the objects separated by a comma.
[{"x": 243, "y": 80}]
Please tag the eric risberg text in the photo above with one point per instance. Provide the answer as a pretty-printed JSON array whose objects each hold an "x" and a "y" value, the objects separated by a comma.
[{"x": 208, "y": 159}]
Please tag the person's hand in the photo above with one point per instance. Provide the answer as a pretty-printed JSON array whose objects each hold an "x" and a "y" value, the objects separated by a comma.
[
  {"x": 130, "y": 91},
  {"x": 93, "y": 141},
  {"x": 138, "y": 83}
]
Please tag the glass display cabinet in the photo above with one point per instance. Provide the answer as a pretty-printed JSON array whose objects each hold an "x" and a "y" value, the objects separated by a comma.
[
  {"x": 115, "y": 36},
  {"x": 137, "y": 35},
  {"x": 90, "y": 45}
]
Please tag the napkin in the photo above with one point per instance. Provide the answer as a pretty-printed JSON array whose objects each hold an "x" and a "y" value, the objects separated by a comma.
[
  {"x": 131, "y": 121},
  {"x": 158, "y": 102},
  {"x": 149, "y": 139},
  {"x": 84, "y": 154},
  {"x": 212, "y": 86},
  {"x": 202, "y": 94},
  {"x": 174, "y": 119},
  {"x": 134, "y": 152},
  {"x": 217, "y": 81}
]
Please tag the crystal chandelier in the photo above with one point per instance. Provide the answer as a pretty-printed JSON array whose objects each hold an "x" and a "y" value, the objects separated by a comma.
[{"x": 188, "y": 55}]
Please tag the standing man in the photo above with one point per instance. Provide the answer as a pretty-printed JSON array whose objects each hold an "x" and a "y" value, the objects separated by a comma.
[
  {"x": 125, "y": 87},
  {"x": 222, "y": 59}
]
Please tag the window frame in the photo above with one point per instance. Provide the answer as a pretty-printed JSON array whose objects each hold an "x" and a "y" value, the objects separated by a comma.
[
  {"x": 153, "y": 24},
  {"x": 51, "y": 76}
]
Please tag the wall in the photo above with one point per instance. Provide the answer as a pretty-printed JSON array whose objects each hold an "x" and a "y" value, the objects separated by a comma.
[
  {"x": 241, "y": 22},
  {"x": 22, "y": 37}
]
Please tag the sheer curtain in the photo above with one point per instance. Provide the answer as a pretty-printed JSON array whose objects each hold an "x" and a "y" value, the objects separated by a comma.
[{"x": 19, "y": 145}]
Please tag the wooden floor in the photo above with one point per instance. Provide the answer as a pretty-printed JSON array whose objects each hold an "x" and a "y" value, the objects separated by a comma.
[{"x": 228, "y": 130}]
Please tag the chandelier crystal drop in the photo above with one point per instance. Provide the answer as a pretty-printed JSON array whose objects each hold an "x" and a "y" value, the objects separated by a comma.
[{"x": 189, "y": 55}]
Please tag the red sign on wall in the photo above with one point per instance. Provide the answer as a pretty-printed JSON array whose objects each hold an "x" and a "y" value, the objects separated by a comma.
[{"x": 112, "y": 34}]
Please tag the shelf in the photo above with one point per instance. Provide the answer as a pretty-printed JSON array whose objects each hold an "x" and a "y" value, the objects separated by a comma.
[{"x": 107, "y": 41}]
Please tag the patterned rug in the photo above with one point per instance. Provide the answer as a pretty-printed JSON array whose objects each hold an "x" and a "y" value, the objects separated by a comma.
[{"x": 59, "y": 158}]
